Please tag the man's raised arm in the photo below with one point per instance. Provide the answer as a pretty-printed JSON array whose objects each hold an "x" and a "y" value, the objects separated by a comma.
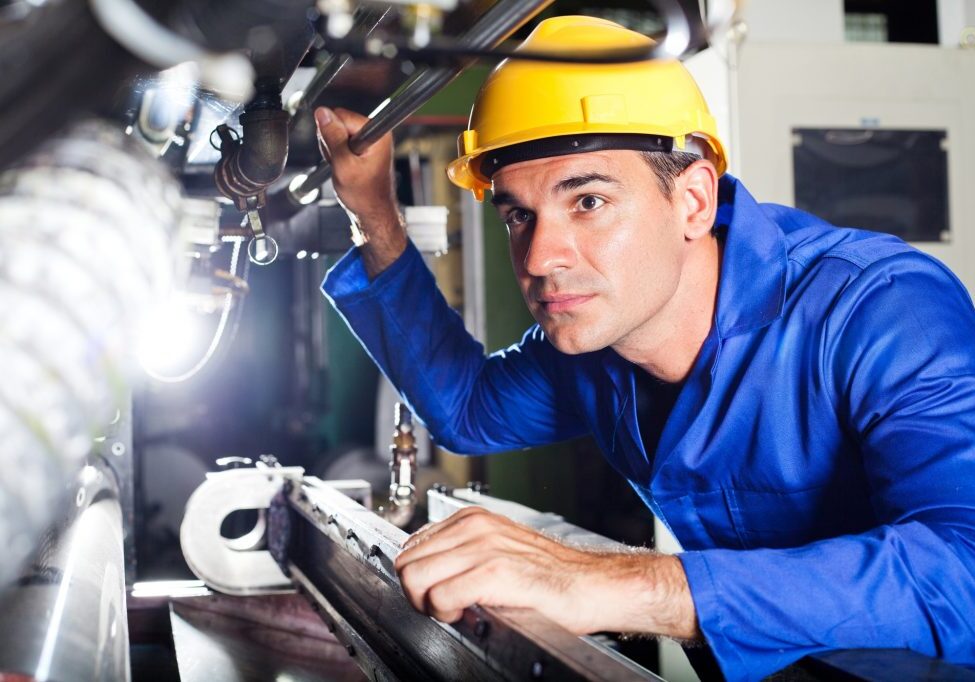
[{"x": 471, "y": 403}]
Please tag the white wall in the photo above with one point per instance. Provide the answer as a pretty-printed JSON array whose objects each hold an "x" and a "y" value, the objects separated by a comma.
[
  {"x": 794, "y": 21},
  {"x": 954, "y": 16}
]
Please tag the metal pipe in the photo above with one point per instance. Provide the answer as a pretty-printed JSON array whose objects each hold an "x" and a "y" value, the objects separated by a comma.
[
  {"x": 500, "y": 21},
  {"x": 66, "y": 618},
  {"x": 365, "y": 17},
  {"x": 402, "y": 469}
]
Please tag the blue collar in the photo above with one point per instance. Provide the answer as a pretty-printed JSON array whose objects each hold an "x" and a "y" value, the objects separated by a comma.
[{"x": 751, "y": 289}]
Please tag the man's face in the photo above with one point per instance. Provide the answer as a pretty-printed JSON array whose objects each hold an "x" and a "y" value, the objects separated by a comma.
[{"x": 596, "y": 246}]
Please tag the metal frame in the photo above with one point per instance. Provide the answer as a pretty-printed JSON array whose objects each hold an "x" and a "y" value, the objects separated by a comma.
[
  {"x": 495, "y": 25},
  {"x": 340, "y": 554}
]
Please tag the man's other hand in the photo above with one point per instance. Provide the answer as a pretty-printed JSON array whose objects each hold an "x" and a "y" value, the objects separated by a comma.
[{"x": 476, "y": 557}]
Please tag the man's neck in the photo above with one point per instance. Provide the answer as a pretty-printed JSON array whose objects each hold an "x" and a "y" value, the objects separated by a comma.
[{"x": 667, "y": 345}]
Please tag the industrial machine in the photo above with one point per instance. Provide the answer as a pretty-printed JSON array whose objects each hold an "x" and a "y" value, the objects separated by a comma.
[{"x": 158, "y": 160}]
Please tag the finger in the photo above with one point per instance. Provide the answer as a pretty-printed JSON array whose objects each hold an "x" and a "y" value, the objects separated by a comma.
[
  {"x": 489, "y": 584},
  {"x": 450, "y": 533},
  {"x": 446, "y": 601},
  {"x": 417, "y": 577},
  {"x": 354, "y": 122},
  {"x": 333, "y": 136},
  {"x": 431, "y": 529}
]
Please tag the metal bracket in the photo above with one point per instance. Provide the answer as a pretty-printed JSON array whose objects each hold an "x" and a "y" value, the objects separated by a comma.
[{"x": 213, "y": 558}]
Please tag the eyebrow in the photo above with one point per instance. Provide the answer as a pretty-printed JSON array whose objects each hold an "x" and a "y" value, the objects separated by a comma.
[
  {"x": 566, "y": 185},
  {"x": 577, "y": 181},
  {"x": 503, "y": 198}
]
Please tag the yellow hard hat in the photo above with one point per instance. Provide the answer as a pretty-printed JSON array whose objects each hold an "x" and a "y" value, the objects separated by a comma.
[{"x": 533, "y": 109}]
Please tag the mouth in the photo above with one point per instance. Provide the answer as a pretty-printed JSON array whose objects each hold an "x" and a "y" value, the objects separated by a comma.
[{"x": 560, "y": 303}]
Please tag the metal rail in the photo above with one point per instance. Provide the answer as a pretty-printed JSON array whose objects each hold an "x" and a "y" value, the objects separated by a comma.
[
  {"x": 500, "y": 21},
  {"x": 341, "y": 555}
]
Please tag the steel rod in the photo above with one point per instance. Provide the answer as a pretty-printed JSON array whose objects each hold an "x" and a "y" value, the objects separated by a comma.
[
  {"x": 500, "y": 21},
  {"x": 365, "y": 18}
]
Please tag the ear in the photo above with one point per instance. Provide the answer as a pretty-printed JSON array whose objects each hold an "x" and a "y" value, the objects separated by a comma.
[{"x": 697, "y": 191}]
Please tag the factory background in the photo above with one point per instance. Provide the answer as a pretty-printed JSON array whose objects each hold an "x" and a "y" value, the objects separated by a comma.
[{"x": 829, "y": 105}]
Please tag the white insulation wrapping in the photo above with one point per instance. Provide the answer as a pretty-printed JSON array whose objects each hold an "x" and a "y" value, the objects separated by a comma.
[{"x": 87, "y": 235}]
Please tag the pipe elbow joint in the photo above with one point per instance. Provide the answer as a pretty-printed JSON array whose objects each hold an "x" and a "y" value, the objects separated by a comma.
[{"x": 264, "y": 151}]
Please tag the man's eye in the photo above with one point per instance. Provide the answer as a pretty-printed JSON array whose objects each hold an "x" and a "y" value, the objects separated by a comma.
[
  {"x": 517, "y": 216},
  {"x": 590, "y": 202}
]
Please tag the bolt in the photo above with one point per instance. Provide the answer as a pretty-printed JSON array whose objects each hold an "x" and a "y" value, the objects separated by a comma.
[
  {"x": 118, "y": 448},
  {"x": 538, "y": 669},
  {"x": 331, "y": 519},
  {"x": 374, "y": 550},
  {"x": 481, "y": 628},
  {"x": 349, "y": 534},
  {"x": 350, "y": 649}
]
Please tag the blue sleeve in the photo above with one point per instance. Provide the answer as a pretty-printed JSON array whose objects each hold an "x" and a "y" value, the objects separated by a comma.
[
  {"x": 899, "y": 356},
  {"x": 471, "y": 404}
]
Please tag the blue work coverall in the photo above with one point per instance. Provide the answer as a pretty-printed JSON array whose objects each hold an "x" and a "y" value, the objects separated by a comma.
[{"x": 818, "y": 466}]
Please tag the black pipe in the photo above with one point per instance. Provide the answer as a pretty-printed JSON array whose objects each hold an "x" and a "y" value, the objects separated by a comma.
[
  {"x": 58, "y": 66},
  {"x": 498, "y": 22},
  {"x": 222, "y": 25},
  {"x": 249, "y": 165}
]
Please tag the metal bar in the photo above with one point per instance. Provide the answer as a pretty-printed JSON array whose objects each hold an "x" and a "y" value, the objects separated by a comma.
[
  {"x": 365, "y": 17},
  {"x": 498, "y": 22},
  {"x": 876, "y": 665},
  {"x": 66, "y": 619},
  {"x": 341, "y": 556},
  {"x": 444, "y": 502}
]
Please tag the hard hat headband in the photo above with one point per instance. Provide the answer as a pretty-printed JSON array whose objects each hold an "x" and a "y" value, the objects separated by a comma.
[{"x": 562, "y": 145}]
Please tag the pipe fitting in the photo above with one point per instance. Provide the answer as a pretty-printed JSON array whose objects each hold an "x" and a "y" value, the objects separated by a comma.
[{"x": 248, "y": 165}]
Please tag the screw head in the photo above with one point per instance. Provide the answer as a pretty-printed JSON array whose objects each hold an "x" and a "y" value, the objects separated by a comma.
[{"x": 538, "y": 669}]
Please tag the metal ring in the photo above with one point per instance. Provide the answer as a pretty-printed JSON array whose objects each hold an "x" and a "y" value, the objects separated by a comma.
[
  {"x": 233, "y": 133},
  {"x": 269, "y": 247}
]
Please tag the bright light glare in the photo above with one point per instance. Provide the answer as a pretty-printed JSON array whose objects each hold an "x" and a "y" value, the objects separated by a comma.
[
  {"x": 169, "y": 588},
  {"x": 170, "y": 339}
]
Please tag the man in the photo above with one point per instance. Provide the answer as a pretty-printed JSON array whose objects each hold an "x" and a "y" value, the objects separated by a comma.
[{"x": 795, "y": 401}]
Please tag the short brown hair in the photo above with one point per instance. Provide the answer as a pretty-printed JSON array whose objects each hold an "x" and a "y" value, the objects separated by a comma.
[{"x": 666, "y": 166}]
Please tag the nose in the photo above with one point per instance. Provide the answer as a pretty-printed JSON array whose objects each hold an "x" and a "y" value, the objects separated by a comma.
[{"x": 550, "y": 248}]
